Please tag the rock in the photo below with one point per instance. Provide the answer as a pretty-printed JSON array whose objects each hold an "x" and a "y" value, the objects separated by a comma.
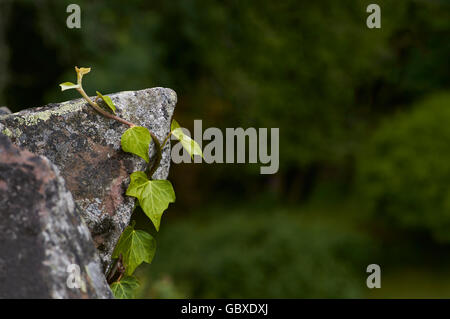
[
  {"x": 85, "y": 146},
  {"x": 4, "y": 110},
  {"x": 40, "y": 232}
]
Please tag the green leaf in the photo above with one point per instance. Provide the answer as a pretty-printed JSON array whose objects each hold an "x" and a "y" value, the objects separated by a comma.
[
  {"x": 136, "y": 247},
  {"x": 82, "y": 71},
  {"x": 137, "y": 179},
  {"x": 137, "y": 140},
  {"x": 125, "y": 288},
  {"x": 154, "y": 195},
  {"x": 174, "y": 125},
  {"x": 189, "y": 144},
  {"x": 108, "y": 101},
  {"x": 68, "y": 85}
]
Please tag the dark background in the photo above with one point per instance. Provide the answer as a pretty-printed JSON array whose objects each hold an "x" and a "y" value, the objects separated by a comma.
[{"x": 364, "y": 118}]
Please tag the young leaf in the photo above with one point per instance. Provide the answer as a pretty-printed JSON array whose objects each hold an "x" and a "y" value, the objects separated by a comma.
[
  {"x": 68, "y": 85},
  {"x": 154, "y": 195},
  {"x": 189, "y": 144},
  {"x": 125, "y": 288},
  {"x": 108, "y": 101},
  {"x": 136, "y": 246},
  {"x": 82, "y": 71},
  {"x": 137, "y": 140},
  {"x": 174, "y": 125}
]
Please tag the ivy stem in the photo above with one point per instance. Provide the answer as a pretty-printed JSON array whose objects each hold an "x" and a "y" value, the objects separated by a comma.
[
  {"x": 102, "y": 111},
  {"x": 166, "y": 139},
  {"x": 151, "y": 170}
]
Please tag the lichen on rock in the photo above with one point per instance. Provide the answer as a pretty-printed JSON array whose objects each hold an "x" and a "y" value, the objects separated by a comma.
[
  {"x": 41, "y": 235},
  {"x": 85, "y": 146}
]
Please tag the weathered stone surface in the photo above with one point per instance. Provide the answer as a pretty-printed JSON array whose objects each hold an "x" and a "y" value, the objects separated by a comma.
[
  {"x": 85, "y": 146},
  {"x": 40, "y": 232},
  {"x": 4, "y": 110}
]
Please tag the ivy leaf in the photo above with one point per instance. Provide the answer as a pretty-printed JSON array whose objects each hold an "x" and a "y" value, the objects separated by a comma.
[
  {"x": 137, "y": 140},
  {"x": 155, "y": 198},
  {"x": 82, "y": 71},
  {"x": 174, "y": 125},
  {"x": 188, "y": 143},
  {"x": 125, "y": 288},
  {"x": 108, "y": 101},
  {"x": 154, "y": 195},
  {"x": 136, "y": 246},
  {"x": 137, "y": 180},
  {"x": 68, "y": 85}
]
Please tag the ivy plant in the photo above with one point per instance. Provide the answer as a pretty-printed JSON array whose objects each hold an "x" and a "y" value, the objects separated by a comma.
[{"x": 153, "y": 196}]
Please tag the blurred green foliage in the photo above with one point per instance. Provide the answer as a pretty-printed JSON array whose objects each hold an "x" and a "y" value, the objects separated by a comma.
[
  {"x": 272, "y": 255},
  {"x": 351, "y": 103},
  {"x": 312, "y": 68},
  {"x": 405, "y": 170}
]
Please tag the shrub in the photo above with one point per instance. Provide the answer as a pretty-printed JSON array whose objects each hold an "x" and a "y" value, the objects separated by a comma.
[
  {"x": 404, "y": 172},
  {"x": 268, "y": 255}
]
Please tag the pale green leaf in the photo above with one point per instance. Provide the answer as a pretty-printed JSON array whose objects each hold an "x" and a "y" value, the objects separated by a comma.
[
  {"x": 154, "y": 195},
  {"x": 155, "y": 198},
  {"x": 68, "y": 85},
  {"x": 174, "y": 125},
  {"x": 188, "y": 143},
  {"x": 137, "y": 140},
  {"x": 137, "y": 179},
  {"x": 82, "y": 71},
  {"x": 136, "y": 247},
  {"x": 108, "y": 101},
  {"x": 125, "y": 288}
]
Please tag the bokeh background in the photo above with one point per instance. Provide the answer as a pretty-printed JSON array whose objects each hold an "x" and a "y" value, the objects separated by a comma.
[{"x": 364, "y": 118}]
